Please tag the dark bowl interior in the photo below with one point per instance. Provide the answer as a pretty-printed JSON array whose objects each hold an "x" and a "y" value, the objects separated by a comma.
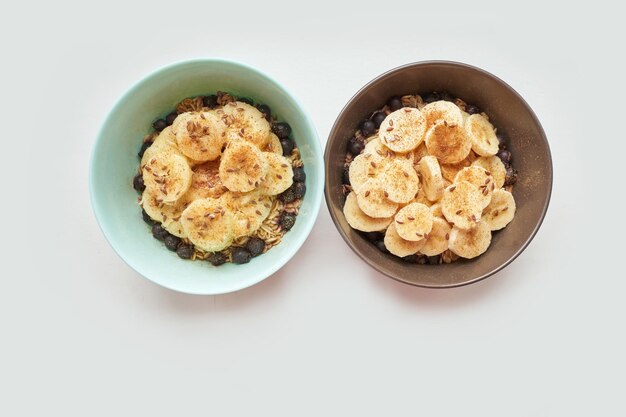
[{"x": 507, "y": 111}]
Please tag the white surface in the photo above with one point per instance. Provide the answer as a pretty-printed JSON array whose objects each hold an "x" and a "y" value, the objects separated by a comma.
[{"x": 82, "y": 334}]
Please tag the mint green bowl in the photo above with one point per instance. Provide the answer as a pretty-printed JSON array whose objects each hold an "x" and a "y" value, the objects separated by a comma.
[{"x": 114, "y": 163}]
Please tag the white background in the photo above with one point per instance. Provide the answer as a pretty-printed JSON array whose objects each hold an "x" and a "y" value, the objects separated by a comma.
[{"x": 84, "y": 335}]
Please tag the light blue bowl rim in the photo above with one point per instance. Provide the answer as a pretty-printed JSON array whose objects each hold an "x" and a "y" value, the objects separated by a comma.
[{"x": 317, "y": 198}]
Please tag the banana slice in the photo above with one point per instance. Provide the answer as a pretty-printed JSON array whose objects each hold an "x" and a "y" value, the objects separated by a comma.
[
  {"x": 273, "y": 145},
  {"x": 439, "y": 111},
  {"x": 248, "y": 210},
  {"x": 200, "y": 135},
  {"x": 437, "y": 239},
  {"x": 399, "y": 181},
  {"x": 403, "y": 130},
  {"x": 470, "y": 243},
  {"x": 361, "y": 221},
  {"x": 279, "y": 175},
  {"x": 494, "y": 166},
  {"x": 168, "y": 215},
  {"x": 421, "y": 198},
  {"x": 206, "y": 182},
  {"x": 373, "y": 201},
  {"x": 500, "y": 211},
  {"x": 167, "y": 175},
  {"x": 242, "y": 166},
  {"x": 462, "y": 204},
  {"x": 414, "y": 221},
  {"x": 435, "y": 209},
  {"x": 207, "y": 224},
  {"x": 449, "y": 171},
  {"x": 482, "y": 134},
  {"x": 448, "y": 142},
  {"x": 419, "y": 153},
  {"x": 398, "y": 246},
  {"x": 244, "y": 121},
  {"x": 479, "y": 177},
  {"x": 165, "y": 141},
  {"x": 432, "y": 179},
  {"x": 363, "y": 168}
]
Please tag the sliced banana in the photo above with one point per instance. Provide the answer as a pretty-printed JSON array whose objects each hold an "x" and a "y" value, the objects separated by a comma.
[
  {"x": 449, "y": 171},
  {"x": 168, "y": 215},
  {"x": 244, "y": 121},
  {"x": 363, "y": 168},
  {"x": 421, "y": 198},
  {"x": 470, "y": 243},
  {"x": 462, "y": 204},
  {"x": 435, "y": 209},
  {"x": 168, "y": 176},
  {"x": 448, "y": 142},
  {"x": 279, "y": 175},
  {"x": 373, "y": 201},
  {"x": 419, "y": 153},
  {"x": 248, "y": 210},
  {"x": 273, "y": 145},
  {"x": 482, "y": 134},
  {"x": 414, "y": 221},
  {"x": 439, "y": 111},
  {"x": 479, "y": 177},
  {"x": 399, "y": 181},
  {"x": 403, "y": 130},
  {"x": 437, "y": 239},
  {"x": 361, "y": 221},
  {"x": 165, "y": 141},
  {"x": 206, "y": 182},
  {"x": 208, "y": 224},
  {"x": 399, "y": 246},
  {"x": 200, "y": 135},
  {"x": 431, "y": 178},
  {"x": 500, "y": 211},
  {"x": 494, "y": 166},
  {"x": 242, "y": 166}
]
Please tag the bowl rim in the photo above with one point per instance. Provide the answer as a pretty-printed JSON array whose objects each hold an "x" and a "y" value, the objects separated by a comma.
[
  {"x": 316, "y": 199},
  {"x": 381, "y": 78}
]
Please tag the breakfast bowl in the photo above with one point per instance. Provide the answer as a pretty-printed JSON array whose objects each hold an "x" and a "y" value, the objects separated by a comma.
[
  {"x": 136, "y": 123},
  {"x": 410, "y": 90}
]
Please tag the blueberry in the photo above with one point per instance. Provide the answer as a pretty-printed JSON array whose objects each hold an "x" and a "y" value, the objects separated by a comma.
[
  {"x": 287, "y": 196},
  {"x": 511, "y": 176},
  {"x": 255, "y": 246},
  {"x": 378, "y": 118},
  {"x": 355, "y": 146},
  {"x": 411, "y": 259},
  {"x": 287, "y": 220},
  {"x": 147, "y": 218},
  {"x": 159, "y": 232},
  {"x": 169, "y": 119},
  {"x": 267, "y": 112},
  {"x": 471, "y": 109},
  {"x": 159, "y": 125},
  {"x": 501, "y": 140},
  {"x": 345, "y": 176},
  {"x": 431, "y": 97},
  {"x": 143, "y": 148},
  {"x": 287, "y": 145},
  {"x": 299, "y": 175},
  {"x": 299, "y": 190},
  {"x": 171, "y": 242},
  {"x": 394, "y": 103},
  {"x": 433, "y": 260},
  {"x": 185, "y": 251},
  {"x": 368, "y": 127},
  {"x": 505, "y": 156},
  {"x": 217, "y": 259},
  {"x": 241, "y": 256},
  {"x": 374, "y": 236},
  {"x": 282, "y": 130},
  {"x": 381, "y": 246},
  {"x": 246, "y": 100},
  {"x": 210, "y": 101},
  {"x": 138, "y": 183},
  {"x": 447, "y": 96}
]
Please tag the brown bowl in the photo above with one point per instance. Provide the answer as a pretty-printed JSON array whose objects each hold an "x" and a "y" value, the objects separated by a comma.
[{"x": 508, "y": 112}]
